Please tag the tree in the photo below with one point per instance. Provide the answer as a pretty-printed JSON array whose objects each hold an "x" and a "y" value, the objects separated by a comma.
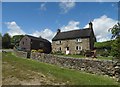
[
  {"x": 116, "y": 44},
  {"x": 116, "y": 49},
  {"x": 6, "y": 41},
  {"x": 16, "y": 39}
]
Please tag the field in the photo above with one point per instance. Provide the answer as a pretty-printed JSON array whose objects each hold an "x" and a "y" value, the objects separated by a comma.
[{"x": 21, "y": 71}]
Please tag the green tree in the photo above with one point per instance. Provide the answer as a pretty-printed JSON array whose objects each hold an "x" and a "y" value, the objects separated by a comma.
[
  {"x": 115, "y": 30},
  {"x": 16, "y": 39},
  {"x": 6, "y": 41},
  {"x": 116, "y": 49}
]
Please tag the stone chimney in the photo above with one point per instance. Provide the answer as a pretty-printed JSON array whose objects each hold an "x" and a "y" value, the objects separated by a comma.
[
  {"x": 90, "y": 25},
  {"x": 58, "y": 31}
]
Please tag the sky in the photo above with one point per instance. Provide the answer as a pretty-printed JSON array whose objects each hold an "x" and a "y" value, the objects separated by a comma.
[{"x": 44, "y": 18}]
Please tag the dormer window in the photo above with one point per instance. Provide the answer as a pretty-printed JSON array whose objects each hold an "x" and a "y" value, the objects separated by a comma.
[{"x": 79, "y": 40}]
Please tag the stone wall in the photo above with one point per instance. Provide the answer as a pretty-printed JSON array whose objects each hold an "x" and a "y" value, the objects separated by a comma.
[
  {"x": 20, "y": 53},
  {"x": 84, "y": 44},
  {"x": 101, "y": 67}
]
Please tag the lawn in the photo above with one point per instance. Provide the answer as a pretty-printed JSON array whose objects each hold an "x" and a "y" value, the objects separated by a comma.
[
  {"x": 81, "y": 56},
  {"x": 21, "y": 70}
]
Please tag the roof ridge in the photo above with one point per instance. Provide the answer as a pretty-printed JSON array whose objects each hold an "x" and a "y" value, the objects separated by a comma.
[
  {"x": 37, "y": 38},
  {"x": 75, "y": 30},
  {"x": 79, "y": 33}
]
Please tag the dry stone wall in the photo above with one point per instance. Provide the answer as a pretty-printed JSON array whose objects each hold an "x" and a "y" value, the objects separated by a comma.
[
  {"x": 20, "y": 53},
  {"x": 88, "y": 65},
  {"x": 101, "y": 67}
]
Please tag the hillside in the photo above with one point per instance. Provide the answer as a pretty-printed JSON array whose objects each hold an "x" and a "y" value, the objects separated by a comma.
[
  {"x": 104, "y": 48},
  {"x": 105, "y": 44}
]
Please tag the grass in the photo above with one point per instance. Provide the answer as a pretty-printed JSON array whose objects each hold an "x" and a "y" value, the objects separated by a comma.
[
  {"x": 81, "y": 56},
  {"x": 71, "y": 77}
]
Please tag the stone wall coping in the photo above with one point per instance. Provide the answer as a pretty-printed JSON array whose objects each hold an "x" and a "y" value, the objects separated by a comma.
[{"x": 83, "y": 58}]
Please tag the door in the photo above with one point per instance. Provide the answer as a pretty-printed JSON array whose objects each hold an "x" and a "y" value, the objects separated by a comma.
[{"x": 67, "y": 50}]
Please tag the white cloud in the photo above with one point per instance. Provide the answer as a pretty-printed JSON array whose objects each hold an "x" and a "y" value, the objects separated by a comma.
[
  {"x": 66, "y": 5},
  {"x": 72, "y": 25},
  {"x": 43, "y": 7},
  {"x": 101, "y": 26},
  {"x": 14, "y": 29},
  {"x": 46, "y": 33}
]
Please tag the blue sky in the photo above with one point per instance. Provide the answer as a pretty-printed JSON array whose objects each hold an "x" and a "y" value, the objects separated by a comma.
[{"x": 44, "y": 18}]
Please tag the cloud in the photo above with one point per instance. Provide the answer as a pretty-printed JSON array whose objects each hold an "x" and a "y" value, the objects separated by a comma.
[
  {"x": 46, "y": 33},
  {"x": 43, "y": 7},
  {"x": 72, "y": 25},
  {"x": 66, "y": 5},
  {"x": 101, "y": 26},
  {"x": 14, "y": 29}
]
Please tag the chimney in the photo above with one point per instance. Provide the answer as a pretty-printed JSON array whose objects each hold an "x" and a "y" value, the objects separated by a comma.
[
  {"x": 58, "y": 31},
  {"x": 90, "y": 25}
]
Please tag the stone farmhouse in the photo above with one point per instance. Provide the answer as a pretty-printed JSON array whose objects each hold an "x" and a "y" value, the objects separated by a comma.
[
  {"x": 75, "y": 41},
  {"x": 29, "y": 43}
]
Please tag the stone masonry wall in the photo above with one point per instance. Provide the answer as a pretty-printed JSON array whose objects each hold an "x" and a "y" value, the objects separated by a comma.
[
  {"x": 71, "y": 44},
  {"x": 20, "y": 53},
  {"x": 101, "y": 67}
]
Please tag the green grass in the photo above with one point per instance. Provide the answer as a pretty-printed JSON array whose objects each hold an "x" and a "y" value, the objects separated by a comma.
[
  {"x": 74, "y": 77},
  {"x": 81, "y": 56}
]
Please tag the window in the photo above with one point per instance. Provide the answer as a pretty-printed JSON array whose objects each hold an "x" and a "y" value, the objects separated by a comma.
[
  {"x": 23, "y": 43},
  {"x": 60, "y": 49},
  {"x": 78, "y": 47},
  {"x": 67, "y": 48},
  {"x": 58, "y": 42},
  {"x": 79, "y": 40}
]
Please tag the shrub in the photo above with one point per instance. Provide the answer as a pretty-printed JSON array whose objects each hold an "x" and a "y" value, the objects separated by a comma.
[
  {"x": 34, "y": 51},
  {"x": 40, "y": 51},
  {"x": 105, "y": 54},
  {"x": 59, "y": 53}
]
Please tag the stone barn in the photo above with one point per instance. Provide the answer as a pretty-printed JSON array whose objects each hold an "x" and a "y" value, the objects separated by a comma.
[{"x": 29, "y": 43}]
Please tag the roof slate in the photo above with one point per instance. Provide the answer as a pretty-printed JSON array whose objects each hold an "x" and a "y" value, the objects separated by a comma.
[
  {"x": 37, "y": 38},
  {"x": 81, "y": 33}
]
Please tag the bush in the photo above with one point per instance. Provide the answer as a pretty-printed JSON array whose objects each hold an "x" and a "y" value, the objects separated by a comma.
[
  {"x": 59, "y": 53},
  {"x": 34, "y": 51},
  {"x": 104, "y": 54},
  {"x": 82, "y": 52},
  {"x": 40, "y": 51}
]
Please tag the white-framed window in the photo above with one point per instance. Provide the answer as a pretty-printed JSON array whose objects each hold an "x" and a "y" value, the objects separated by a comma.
[
  {"x": 58, "y": 42},
  {"x": 78, "y": 48},
  {"x": 79, "y": 40}
]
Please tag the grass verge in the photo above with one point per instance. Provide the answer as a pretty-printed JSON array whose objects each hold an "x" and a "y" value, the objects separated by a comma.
[
  {"x": 81, "y": 56},
  {"x": 70, "y": 77}
]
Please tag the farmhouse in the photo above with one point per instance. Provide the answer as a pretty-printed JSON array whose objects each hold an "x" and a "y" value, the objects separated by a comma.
[
  {"x": 29, "y": 43},
  {"x": 73, "y": 42}
]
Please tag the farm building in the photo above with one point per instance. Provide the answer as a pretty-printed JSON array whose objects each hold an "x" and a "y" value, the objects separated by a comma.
[{"x": 29, "y": 43}]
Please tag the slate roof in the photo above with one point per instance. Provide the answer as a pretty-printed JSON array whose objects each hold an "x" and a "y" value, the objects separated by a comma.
[
  {"x": 81, "y": 33},
  {"x": 37, "y": 38}
]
